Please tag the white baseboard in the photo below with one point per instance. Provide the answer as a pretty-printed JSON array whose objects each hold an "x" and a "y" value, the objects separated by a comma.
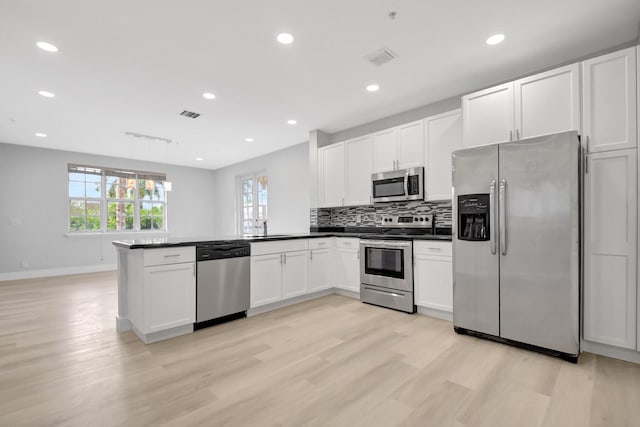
[
  {"x": 347, "y": 293},
  {"x": 432, "y": 312},
  {"x": 65, "y": 271},
  {"x": 610, "y": 351},
  {"x": 290, "y": 301},
  {"x": 123, "y": 324}
]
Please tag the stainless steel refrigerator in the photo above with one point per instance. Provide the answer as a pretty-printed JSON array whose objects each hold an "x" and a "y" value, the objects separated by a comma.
[{"x": 516, "y": 242}]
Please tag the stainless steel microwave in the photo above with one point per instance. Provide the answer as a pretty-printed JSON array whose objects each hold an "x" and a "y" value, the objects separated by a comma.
[{"x": 398, "y": 186}]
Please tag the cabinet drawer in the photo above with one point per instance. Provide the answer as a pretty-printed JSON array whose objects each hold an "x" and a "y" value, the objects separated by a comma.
[
  {"x": 344, "y": 242},
  {"x": 280, "y": 246},
  {"x": 321, "y": 243},
  {"x": 169, "y": 255},
  {"x": 430, "y": 247}
]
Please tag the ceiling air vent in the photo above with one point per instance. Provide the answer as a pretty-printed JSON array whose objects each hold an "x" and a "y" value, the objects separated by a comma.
[
  {"x": 381, "y": 56},
  {"x": 190, "y": 114}
]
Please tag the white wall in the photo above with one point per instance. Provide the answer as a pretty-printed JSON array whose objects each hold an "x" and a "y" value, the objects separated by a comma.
[
  {"x": 34, "y": 191},
  {"x": 288, "y": 172}
]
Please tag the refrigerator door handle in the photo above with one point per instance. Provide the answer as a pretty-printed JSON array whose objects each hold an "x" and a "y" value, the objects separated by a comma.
[
  {"x": 503, "y": 216},
  {"x": 492, "y": 205}
]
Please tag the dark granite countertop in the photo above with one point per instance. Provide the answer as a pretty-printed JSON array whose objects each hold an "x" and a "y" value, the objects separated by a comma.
[{"x": 441, "y": 234}]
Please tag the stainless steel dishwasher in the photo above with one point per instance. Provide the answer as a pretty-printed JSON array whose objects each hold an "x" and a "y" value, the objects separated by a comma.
[{"x": 222, "y": 283}]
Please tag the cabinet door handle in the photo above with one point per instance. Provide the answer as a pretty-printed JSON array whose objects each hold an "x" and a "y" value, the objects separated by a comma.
[
  {"x": 587, "y": 141},
  {"x": 171, "y": 256},
  {"x": 280, "y": 258},
  {"x": 435, "y": 249},
  {"x": 285, "y": 258},
  {"x": 311, "y": 255},
  {"x": 194, "y": 269},
  {"x": 517, "y": 134},
  {"x": 358, "y": 253},
  {"x": 510, "y": 135}
]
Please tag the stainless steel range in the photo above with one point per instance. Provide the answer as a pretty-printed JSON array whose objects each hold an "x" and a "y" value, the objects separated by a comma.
[{"x": 386, "y": 265}]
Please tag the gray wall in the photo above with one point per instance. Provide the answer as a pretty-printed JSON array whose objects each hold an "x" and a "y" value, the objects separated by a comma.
[
  {"x": 395, "y": 120},
  {"x": 288, "y": 172},
  {"x": 34, "y": 183}
]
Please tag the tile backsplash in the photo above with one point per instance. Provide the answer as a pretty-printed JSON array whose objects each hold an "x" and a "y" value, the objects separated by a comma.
[{"x": 371, "y": 215}]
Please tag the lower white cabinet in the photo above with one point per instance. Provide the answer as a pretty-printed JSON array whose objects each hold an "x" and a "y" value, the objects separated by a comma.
[
  {"x": 266, "y": 279},
  {"x": 348, "y": 264},
  {"x": 294, "y": 274},
  {"x": 321, "y": 269},
  {"x": 278, "y": 271},
  {"x": 161, "y": 290},
  {"x": 610, "y": 253},
  {"x": 433, "y": 275},
  {"x": 169, "y": 296}
]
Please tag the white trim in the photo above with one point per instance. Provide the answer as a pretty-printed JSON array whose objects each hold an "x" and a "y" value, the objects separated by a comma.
[
  {"x": 122, "y": 324},
  {"x": 610, "y": 351},
  {"x": 127, "y": 235},
  {"x": 289, "y": 301},
  {"x": 432, "y": 312},
  {"x": 50, "y": 272}
]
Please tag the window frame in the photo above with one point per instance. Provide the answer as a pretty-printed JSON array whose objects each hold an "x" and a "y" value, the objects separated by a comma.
[
  {"x": 255, "y": 205},
  {"x": 104, "y": 199}
]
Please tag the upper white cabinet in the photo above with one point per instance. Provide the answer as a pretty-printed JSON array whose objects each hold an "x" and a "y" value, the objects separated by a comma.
[
  {"x": 359, "y": 167},
  {"x": 610, "y": 254},
  {"x": 487, "y": 116},
  {"x": 331, "y": 166},
  {"x": 443, "y": 135},
  {"x": 400, "y": 147},
  {"x": 384, "y": 150},
  {"x": 609, "y": 101},
  {"x": 410, "y": 148},
  {"x": 545, "y": 103},
  {"x": 548, "y": 102}
]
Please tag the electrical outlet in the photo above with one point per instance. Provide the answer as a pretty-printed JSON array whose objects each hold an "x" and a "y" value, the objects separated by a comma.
[{"x": 358, "y": 218}]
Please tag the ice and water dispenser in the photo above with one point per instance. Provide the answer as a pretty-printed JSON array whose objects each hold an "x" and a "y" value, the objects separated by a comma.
[{"x": 473, "y": 217}]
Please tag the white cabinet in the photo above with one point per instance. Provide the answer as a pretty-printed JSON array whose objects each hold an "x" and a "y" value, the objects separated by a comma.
[
  {"x": 169, "y": 296},
  {"x": 161, "y": 291},
  {"x": 609, "y": 101},
  {"x": 348, "y": 264},
  {"x": 278, "y": 271},
  {"x": 359, "y": 167},
  {"x": 294, "y": 274},
  {"x": 384, "y": 150},
  {"x": 410, "y": 147},
  {"x": 487, "y": 116},
  {"x": 610, "y": 248},
  {"x": 331, "y": 166},
  {"x": 321, "y": 264},
  {"x": 433, "y": 275},
  {"x": 266, "y": 279},
  {"x": 548, "y": 102},
  {"x": 443, "y": 135},
  {"x": 544, "y": 103},
  {"x": 400, "y": 147}
]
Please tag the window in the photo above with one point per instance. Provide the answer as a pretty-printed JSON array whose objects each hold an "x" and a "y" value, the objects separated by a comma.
[
  {"x": 110, "y": 200},
  {"x": 253, "y": 204}
]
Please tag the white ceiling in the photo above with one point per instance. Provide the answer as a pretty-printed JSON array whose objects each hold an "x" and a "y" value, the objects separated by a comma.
[{"x": 135, "y": 65}]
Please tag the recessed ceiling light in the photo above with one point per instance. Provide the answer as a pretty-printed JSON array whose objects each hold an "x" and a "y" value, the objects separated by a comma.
[
  {"x": 249, "y": 139},
  {"x": 208, "y": 95},
  {"x": 40, "y": 135},
  {"x": 373, "y": 88},
  {"x": 47, "y": 46},
  {"x": 495, "y": 39},
  {"x": 46, "y": 94},
  {"x": 291, "y": 122},
  {"x": 199, "y": 159},
  {"x": 285, "y": 38}
]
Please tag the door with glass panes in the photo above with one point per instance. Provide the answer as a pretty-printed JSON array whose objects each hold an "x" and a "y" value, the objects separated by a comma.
[{"x": 253, "y": 204}]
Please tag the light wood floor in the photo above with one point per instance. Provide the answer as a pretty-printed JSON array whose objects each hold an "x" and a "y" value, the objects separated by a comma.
[{"x": 329, "y": 362}]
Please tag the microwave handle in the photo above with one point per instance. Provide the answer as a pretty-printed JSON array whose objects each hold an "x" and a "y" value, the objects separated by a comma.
[{"x": 406, "y": 184}]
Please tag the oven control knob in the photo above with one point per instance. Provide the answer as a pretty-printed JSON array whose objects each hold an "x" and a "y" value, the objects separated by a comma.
[{"x": 421, "y": 219}]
